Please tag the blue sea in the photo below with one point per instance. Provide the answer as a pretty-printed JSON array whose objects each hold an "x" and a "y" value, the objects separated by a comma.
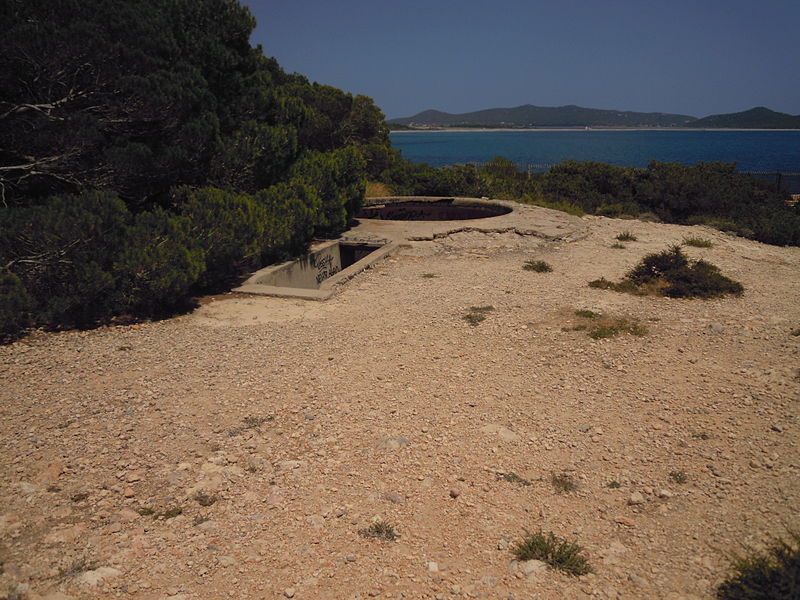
[{"x": 752, "y": 150}]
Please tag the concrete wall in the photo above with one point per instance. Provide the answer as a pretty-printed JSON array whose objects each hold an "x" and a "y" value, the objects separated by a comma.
[{"x": 308, "y": 271}]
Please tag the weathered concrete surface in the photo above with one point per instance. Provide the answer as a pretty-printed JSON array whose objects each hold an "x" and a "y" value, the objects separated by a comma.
[{"x": 535, "y": 221}]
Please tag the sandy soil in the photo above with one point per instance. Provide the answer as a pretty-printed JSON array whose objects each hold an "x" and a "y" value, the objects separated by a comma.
[{"x": 280, "y": 428}]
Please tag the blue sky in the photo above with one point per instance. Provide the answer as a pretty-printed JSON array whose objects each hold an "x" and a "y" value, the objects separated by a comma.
[{"x": 695, "y": 57}]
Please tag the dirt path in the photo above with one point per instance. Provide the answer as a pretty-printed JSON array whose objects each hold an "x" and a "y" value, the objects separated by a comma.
[{"x": 280, "y": 428}]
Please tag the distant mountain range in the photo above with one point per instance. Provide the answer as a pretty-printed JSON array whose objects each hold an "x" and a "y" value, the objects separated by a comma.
[{"x": 577, "y": 116}]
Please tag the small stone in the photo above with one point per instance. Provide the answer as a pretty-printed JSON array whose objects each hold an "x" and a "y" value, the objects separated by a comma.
[
  {"x": 755, "y": 464},
  {"x": 394, "y": 498},
  {"x": 129, "y": 493},
  {"x": 226, "y": 561},
  {"x": 504, "y": 433},
  {"x": 715, "y": 328},
  {"x": 98, "y": 576},
  {"x": 433, "y": 567},
  {"x": 636, "y": 580},
  {"x": 636, "y": 498},
  {"x": 392, "y": 443},
  {"x": 289, "y": 592},
  {"x": 531, "y": 567},
  {"x": 777, "y": 428},
  {"x": 455, "y": 493},
  {"x": 666, "y": 494},
  {"x": 127, "y": 515}
]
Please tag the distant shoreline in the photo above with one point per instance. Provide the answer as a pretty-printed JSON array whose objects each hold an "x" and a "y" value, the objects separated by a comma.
[{"x": 577, "y": 128}]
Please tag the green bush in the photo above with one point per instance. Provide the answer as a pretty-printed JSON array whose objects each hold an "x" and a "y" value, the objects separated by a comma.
[
  {"x": 14, "y": 304},
  {"x": 538, "y": 266},
  {"x": 557, "y": 552},
  {"x": 291, "y": 210},
  {"x": 770, "y": 575},
  {"x": 158, "y": 263},
  {"x": 228, "y": 227},
  {"x": 63, "y": 251},
  {"x": 338, "y": 177},
  {"x": 670, "y": 273}
]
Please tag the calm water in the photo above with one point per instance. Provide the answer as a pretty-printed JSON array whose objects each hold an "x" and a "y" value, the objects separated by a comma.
[{"x": 752, "y": 150}]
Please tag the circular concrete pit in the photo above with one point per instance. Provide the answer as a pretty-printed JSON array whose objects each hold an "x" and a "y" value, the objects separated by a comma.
[{"x": 444, "y": 209}]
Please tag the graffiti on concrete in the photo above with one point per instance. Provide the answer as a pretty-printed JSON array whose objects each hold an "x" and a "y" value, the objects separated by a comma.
[{"x": 324, "y": 266}]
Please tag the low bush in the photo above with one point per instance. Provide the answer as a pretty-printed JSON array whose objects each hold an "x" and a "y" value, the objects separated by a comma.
[
  {"x": 380, "y": 530},
  {"x": 557, "y": 552},
  {"x": 563, "y": 482},
  {"x": 537, "y": 266},
  {"x": 477, "y": 314},
  {"x": 229, "y": 227},
  {"x": 670, "y": 273},
  {"x": 770, "y": 575},
  {"x": 626, "y": 236},
  {"x": 697, "y": 242}
]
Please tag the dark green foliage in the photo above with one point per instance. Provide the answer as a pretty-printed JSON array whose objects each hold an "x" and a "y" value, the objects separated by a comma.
[
  {"x": 380, "y": 530},
  {"x": 158, "y": 263},
  {"x": 338, "y": 177},
  {"x": 678, "y": 476},
  {"x": 697, "y": 242},
  {"x": 63, "y": 252},
  {"x": 770, "y": 575},
  {"x": 670, "y": 273},
  {"x": 557, "y": 552},
  {"x": 626, "y": 236},
  {"x": 701, "y": 280},
  {"x": 477, "y": 314},
  {"x": 512, "y": 477},
  {"x": 538, "y": 266},
  {"x": 15, "y": 302},
  {"x": 210, "y": 158},
  {"x": 228, "y": 227},
  {"x": 291, "y": 210},
  {"x": 660, "y": 265},
  {"x": 706, "y": 193},
  {"x": 563, "y": 482}
]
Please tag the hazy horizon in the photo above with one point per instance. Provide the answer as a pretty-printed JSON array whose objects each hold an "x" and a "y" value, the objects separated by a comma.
[{"x": 683, "y": 57}]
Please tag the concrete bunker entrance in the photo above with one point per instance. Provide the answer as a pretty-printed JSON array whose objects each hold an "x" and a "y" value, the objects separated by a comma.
[{"x": 313, "y": 275}]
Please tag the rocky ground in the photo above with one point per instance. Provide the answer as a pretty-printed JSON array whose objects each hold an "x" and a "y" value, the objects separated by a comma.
[{"x": 237, "y": 451}]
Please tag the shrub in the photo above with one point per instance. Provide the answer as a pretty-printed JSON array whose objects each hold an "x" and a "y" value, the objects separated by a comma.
[
  {"x": 586, "y": 314},
  {"x": 228, "y": 227},
  {"x": 63, "y": 251},
  {"x": 697, "y": 242},
  {"x": 563, "y": 482},
  {"x": 512, "y": 477},
  {"x": 557, "y": 552},
  {"x": 538, "y": 266},
  {"x": 612, "y": 327},
  {"x": 670, "y": 273},
  {"x": 14, "y": 304},
  {"x": 477, "y": 314},
  {"x": 158, "y": 263},
  {"x": 770, "y": 575},
  {"x": 338, "y": 178},
  {"x": 626, "y": 236},
  {"x": 380, "y": 530},
  {"x": 290, "y": 209}
]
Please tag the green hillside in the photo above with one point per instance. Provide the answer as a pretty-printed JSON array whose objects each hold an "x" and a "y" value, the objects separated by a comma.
[
  {"x": 545, "y": 116},
  {"x": 755, "y": 118}
]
